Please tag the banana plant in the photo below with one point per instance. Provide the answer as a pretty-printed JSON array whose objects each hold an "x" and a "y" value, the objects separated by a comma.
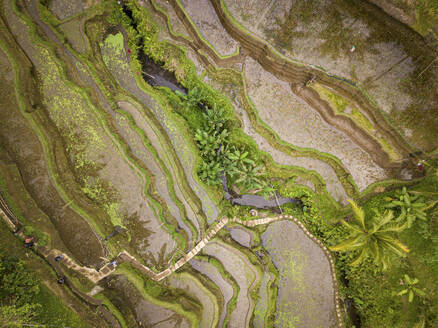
[
  {"x": 209, "y": 172},
  {"x": 240, "y": 158},
  {"x": 411, "y": 206},
  {"x": 267, "y": 191},
  {"x": 410, "y": 289},
  {"x": 192, "y": 99},
  {"x": 249, "y": 177},
  {"x": 214, "y": 117}
]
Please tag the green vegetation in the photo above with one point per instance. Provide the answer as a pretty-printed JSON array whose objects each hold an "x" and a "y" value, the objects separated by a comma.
[
  {"x": 410, "y": 289},
  {"x": 218, "y": 152},
  {"x": 210, "y": 126},
  {"x": 374, "y": 237},
  {"x": 26, "y": 300},
  {"x": 426, "y": 15},
  {"x": 339, "y": 104},
  {"x": 409, "y": 206}
]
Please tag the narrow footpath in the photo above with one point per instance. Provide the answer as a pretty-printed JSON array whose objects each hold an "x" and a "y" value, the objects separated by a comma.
[{"x": 124, "y": 257}]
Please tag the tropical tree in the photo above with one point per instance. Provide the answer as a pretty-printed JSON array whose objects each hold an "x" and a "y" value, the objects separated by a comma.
[
  {"x": 410, "y": 289},
  {"x": 192, "y": 99},
  {"x": 410, "y": 206},
  {"x": 209, "y": 172},
  {"x": 210, "y": 143},
  {"x": 240, "y": 158},
  {"x": 374, "y": 237},
  {"x": 249, "y": 177},
  {"x": 214, "y": 118}
]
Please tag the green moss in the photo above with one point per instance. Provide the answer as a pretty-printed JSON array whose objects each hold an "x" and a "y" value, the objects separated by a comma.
[
  {"x": 339, "y": 104},
  {"x": 106, "y": 302},
  {"x": 53, "y": 309},
  {"x": 139, "y": 283},
  {"x": 426, "y": 15}
]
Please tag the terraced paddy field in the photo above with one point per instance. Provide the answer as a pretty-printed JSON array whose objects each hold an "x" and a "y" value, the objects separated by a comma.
[{"x": 130, "y": 129}]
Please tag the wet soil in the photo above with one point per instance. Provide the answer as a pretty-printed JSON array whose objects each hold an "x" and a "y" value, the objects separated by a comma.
[
  {"x": 137, "y": 311},
  {"x": 243, "y": 272},
  {"x": 387, "y": 61},
  {"x": 207, "y": 22},
  {"x": 193, "y": 287},
  {"x": 24, "y": 147},
  {"x": 214, "y": 275},
  {"x": 305, "y": 289}
]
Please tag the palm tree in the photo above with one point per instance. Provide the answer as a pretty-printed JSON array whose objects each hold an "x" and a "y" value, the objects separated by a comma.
[
  {"x": 410, "y": 288},
  {"x": 375, "y": 237}
]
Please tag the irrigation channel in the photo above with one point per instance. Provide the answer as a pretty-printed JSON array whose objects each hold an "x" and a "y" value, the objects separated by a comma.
[
  {"x": 156, "y": 75},
  {"x": 97, "y": 275}
]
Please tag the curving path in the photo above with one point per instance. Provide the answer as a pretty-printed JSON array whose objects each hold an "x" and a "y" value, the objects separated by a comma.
[{"x": 96, "y": 275}]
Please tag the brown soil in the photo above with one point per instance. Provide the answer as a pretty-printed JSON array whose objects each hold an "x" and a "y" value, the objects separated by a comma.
[{"x": 25, "y": 150}]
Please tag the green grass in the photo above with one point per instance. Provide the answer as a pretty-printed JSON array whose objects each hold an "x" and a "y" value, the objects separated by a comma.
[
  {"x": 140, "y": 283},
  {"x": 426, "y": 15},
  {"x": 339, "y": 104},
  {"x": 53, "y": 310}
]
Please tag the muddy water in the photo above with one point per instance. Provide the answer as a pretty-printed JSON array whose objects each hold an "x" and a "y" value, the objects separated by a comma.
[
  {"x": 256, "y": 200},
  {"x": 23, "y": 145},
  {"x": 214, "y": 275},
  {"x": 242, "y": 236},
  {"x": 137, "y": 310},
  {"x": 246, "y": 275},
  {"x": 194, "y": 288},
  {"x": 305, "y": 288},
  {"x": 155, "y": 75}
]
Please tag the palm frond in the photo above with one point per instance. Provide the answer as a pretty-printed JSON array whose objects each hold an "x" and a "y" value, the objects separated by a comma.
[{"x": 358, "y": 212}]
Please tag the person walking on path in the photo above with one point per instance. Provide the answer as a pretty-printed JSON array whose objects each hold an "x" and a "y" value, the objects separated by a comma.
[{"x": 28, "y": 242}]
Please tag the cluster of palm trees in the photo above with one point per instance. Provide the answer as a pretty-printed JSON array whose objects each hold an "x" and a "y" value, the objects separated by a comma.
[
  {"x": 218, "y": 153},
  {"x": 376, "y": 236}
]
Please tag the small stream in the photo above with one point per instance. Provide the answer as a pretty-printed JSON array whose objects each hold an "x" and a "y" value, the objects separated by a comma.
[
  {"x": 256, "y": 200},
  {"x": 155, "y": 75}
]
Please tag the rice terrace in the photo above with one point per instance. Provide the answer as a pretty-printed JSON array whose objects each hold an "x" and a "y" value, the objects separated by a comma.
[{"x": 219, "y": 163}]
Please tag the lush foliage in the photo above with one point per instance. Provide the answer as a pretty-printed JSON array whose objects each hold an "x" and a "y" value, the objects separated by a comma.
[
  {"x": 409, "y": 206},
  {"x": 374, "y": 237},
  {"x": 219, "y": 154},
  {"x": 371, "y": 289},
  {"x": 410, "y": 289},
  {"x": 26, "y": 301},
  {"x": 18, "y": 287}
]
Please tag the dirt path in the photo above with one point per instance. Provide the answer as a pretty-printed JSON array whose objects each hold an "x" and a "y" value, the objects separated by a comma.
[{"x": 96, "y": 275}]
